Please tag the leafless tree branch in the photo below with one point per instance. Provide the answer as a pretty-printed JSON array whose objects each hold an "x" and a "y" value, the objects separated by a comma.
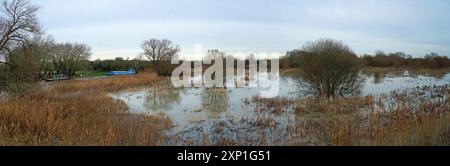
[{"x": 18, "y": 22}]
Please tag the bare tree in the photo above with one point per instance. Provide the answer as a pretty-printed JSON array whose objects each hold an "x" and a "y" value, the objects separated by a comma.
[
  {"x": 67, "y": 58},
  {"x": 45, "y": 47},
  {"x": 329, "y": 68},
  {"x": 26, "y": 64},
  {"x": 159, "y": 51},
  {"x": 18, "y": 22}
]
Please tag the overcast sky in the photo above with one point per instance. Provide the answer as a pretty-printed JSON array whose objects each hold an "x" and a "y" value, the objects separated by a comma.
[{"x": 117, "y": 27}]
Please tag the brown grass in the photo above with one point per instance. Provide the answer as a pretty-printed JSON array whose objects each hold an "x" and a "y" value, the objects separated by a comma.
[
  {"x": 362, "y": 122},
  {"x": 109, "y": 84},
  {"x": 79, "y": 113}
]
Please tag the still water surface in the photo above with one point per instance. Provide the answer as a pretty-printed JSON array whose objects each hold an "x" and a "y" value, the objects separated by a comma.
[{"x": 198, "y": 110}]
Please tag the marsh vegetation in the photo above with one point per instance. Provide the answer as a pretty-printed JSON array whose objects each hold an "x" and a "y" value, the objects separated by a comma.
[
  {"x": 404, "y": 108},
  {"x": 328, "y": 96}
]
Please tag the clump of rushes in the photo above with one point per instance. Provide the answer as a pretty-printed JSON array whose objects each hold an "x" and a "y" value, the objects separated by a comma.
[{"x": 272, "y": 105}]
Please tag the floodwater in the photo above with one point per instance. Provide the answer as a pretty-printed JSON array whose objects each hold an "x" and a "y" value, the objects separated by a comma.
[{"x": 230, "y": 112}]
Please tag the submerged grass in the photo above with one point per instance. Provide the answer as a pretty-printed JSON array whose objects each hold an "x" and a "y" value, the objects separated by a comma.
[
  {"x": 360, "y": 121},
  {"x": 368, "y": 121},
  {"x": 396, "y": 127}
]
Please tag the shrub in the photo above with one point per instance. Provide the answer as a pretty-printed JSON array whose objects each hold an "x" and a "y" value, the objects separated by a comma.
[{"x": 329, "y": 68}]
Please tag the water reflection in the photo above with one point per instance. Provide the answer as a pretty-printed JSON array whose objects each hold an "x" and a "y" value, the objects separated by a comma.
[
  {"x": 384, "y": 82},
  {"x": 163, "y": 97},
  {"x": 378, "y": 77},
  {"x": 215, "y": 101},
  {"x": 230, "y": 111}
]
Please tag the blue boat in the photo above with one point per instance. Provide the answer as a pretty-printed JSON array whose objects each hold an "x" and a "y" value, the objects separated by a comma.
[{"x": 115, "y": 73}]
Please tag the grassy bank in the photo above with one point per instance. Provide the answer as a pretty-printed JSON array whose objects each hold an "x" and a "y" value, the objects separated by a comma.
[{"x": 79, "y": 113}]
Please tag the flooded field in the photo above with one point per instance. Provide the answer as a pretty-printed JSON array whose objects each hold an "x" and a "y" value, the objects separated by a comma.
[{"x": 238, "y": 116}]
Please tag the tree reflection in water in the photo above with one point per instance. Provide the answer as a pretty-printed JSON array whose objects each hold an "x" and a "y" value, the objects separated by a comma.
[
  {"x": 161, "y": 96},
  {"x": 215, "y": 101},
  {"x": 378, "y": 77}
]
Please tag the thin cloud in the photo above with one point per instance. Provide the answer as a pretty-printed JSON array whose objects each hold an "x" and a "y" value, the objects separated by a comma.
[{"x": 413, "y": 26}]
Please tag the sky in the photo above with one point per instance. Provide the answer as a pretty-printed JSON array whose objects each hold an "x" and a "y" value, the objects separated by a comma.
[{"x": 116, "y": 28}]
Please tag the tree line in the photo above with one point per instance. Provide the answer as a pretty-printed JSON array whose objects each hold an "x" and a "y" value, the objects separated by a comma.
[
  {"x": 400, "y": 59},
  {"x": 27, "y": 53},
  {"x": 380, "y": 59}
]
